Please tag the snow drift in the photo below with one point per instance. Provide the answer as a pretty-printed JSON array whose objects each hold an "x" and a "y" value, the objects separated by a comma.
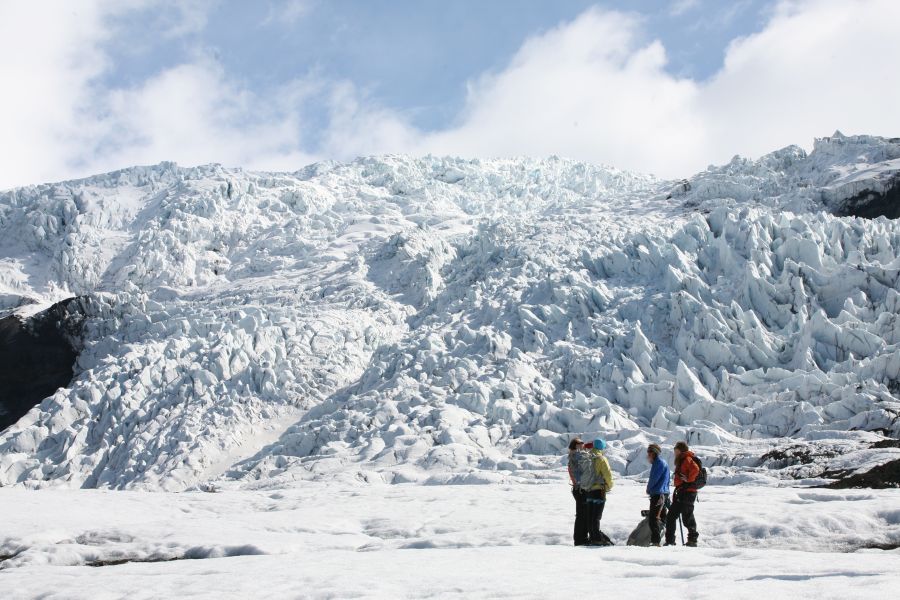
[{"x": 443, "y": 320}]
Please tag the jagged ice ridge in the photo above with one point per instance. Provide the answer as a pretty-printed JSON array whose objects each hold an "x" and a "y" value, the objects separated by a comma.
[{"x": 444, "y": 320}]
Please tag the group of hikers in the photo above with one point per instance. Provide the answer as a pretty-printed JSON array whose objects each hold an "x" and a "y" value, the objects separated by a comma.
[{"x": 592, "y": 479}]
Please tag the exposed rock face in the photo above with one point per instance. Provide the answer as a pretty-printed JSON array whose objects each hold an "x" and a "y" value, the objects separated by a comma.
[
  {"x": 874, "y": 203},
  {"x": 37, "y": 355},
  {"x": 879, "y": 477}
]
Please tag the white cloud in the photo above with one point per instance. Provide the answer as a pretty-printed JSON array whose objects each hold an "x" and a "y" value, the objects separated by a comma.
[
  {"x": 680, "y": 7},
  {"x": 193, "y": 114},
  {"x": 57, "y": 120},
  {"x": 48, "y": 55},
  {"x": 287, "y": 12},
  {"x": 594, "y": 89},
  {"x": 180, "y": 18},
  {"x": 588, "y": 89},
  {"x": 816, "y": 67}
]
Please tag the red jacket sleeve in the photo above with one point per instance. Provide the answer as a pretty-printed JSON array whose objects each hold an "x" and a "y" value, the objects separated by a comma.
[{"x": 687, "y": 472}]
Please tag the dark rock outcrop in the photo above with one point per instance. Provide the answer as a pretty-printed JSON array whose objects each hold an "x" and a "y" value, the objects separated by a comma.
[
  {"x": 871, "y": 204},
  {"x": 881, "y": 477},
  {"x": 37, "y": 356}
]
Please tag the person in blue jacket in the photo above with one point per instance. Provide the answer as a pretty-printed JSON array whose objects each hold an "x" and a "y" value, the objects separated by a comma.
[{"x": 658, "y": 490}]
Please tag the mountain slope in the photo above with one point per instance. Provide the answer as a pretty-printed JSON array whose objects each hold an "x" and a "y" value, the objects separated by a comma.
[{"x": 399, "y": 319}]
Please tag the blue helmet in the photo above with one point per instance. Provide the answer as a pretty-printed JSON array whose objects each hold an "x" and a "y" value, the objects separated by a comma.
[{"x": 600, "y": 444}]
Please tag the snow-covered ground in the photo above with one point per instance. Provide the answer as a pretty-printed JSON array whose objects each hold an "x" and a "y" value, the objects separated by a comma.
[{"x": 326, "y": 540}]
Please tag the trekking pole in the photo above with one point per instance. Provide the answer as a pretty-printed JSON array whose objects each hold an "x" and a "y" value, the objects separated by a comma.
[{"x": 681, "y": 529}]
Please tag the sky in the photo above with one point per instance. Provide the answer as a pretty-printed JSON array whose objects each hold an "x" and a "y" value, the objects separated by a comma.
[{"x": 657, "y": 86}]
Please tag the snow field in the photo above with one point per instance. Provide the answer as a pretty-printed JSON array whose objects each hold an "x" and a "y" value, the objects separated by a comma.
[{"x": 321, "y": 540}]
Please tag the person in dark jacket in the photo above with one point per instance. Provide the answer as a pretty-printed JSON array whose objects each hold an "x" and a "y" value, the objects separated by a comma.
[
  {"x": 686, "y": 472},
  {"x": 582, "y": 525},
  {"x": 658, "y": 490}
]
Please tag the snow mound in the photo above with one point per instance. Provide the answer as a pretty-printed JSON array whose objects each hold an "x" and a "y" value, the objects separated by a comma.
[{"x": 442, "y": 320}]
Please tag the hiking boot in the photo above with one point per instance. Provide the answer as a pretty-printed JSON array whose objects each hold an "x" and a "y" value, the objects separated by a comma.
[
  {"x": 671, "y": 544},
  {"x": 691, "y": 544},
  {"x": 604, "y": 541}
]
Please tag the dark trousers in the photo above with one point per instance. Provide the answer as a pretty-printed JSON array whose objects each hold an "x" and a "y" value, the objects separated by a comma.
[
  {"x": 596, "y": 500},
  {"x": 656, "y": 514},
  {"x": 683, "y": 506},
  {"x": 582, "y": 528}
]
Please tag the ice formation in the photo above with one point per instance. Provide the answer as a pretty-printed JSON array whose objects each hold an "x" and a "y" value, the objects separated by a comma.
[{"x": 445, "y": 320}]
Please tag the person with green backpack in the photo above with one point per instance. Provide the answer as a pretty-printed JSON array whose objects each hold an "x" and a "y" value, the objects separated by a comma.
[
  {"x": 591, "y": 480},
  {"x": 690, "y": 476}
]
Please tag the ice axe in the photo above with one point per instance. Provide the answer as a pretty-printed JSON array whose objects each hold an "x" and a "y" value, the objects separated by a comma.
[{"x": 680, "y": 527}]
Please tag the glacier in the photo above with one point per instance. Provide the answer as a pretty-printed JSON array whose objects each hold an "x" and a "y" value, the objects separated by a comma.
[{"x": 438, "y": 320}]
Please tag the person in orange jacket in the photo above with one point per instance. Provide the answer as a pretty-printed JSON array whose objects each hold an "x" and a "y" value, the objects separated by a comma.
[{"x": 686, "y": 472}]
